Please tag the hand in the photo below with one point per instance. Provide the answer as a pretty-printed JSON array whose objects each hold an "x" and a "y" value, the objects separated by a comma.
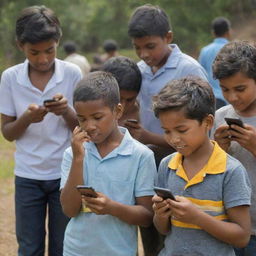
[
  {"x": 161, "y": 207},
  {"x": 184, "y": 210},
  {"x": 100, "y": 205},
  {"x": 223, "y": 136},
  {"x": 78, "y": 138},
  {"x": 35, "y": 113},
  {"x": 135, "y": 129},
  {"x": 58, "y": 107},
  {"x": 245, "y": 136}
]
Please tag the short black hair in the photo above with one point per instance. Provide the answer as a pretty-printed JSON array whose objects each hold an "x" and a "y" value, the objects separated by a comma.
[
  {"x": 148, "y": 20},
  {"x": 36, "y": 24},
  {"x": 220, "y": 26},
  {"x": 234, "y": 57},
  {"x": 98, "y": 85},
  {"x": 70, "y": 47},
  {"x": 125, "y": 71},
  {"x": 193, "y": 95},
  {"x": 110, "y": 45}
]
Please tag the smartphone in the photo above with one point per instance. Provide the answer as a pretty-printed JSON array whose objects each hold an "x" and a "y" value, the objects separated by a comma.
[
  {"x": 132, "y": 121},
  {"x": 235, "y": 121},
  {"x": 87, "y": 191},
  {"x": 164, "y": 193},
  {"x": 49, "y": 101}
]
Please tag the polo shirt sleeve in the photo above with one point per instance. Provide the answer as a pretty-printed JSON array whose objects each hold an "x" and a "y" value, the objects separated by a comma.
[
  {"x": 145, "y": 175},
  {"x": 65, "y": 166},
  {"x": 6, "y": 97},
  {"x": 236, "y": 186}
]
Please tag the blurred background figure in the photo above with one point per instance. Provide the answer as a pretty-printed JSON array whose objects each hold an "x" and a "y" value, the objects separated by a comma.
[
  {"x": 110, "y": 48},
  {"x": 70, "y": 49},
  {"x": 221, "y": 30}
]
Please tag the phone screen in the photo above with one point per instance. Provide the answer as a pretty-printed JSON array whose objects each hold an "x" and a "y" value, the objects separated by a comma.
[
  {"x": 87, "y": 191},
  {"x": 235, "y": 121},
  {"x": 164, "y": 193}
]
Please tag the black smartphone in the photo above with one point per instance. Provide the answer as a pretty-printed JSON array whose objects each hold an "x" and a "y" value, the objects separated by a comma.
[
  {"x": 235, "y": 121},
  {"x": 164, "y": 193},
  {"x": 87, "y": 191},
  {"x": 132, "y": 121},
  {"x": 49, "y": 101}
]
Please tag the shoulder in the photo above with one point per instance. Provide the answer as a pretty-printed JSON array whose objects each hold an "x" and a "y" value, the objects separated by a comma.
[
  {"x": 226, "y": 111},
  {"x": 13, "y": 70},
  {"x": 140, "y": 149}
]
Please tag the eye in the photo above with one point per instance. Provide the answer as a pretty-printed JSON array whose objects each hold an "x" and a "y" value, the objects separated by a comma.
[
  {"x": 183, "y": 130},
  {"x": 98, "y": 117},
  {"x": 166, "y": 132},
  {"x": 241, "y": 89},
  {"x": 151, "y": 46}
]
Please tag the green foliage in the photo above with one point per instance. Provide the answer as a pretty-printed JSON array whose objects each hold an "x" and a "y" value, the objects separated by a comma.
[{"x": 90, "y": 22}]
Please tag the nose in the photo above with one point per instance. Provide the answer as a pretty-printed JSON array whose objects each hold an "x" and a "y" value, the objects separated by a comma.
[
  {"x": 174, "y": 139},
  {"x": 143, "y": 54},
  {"x": 42, "y": 59},
  {"x": 231, "y": 97},
  {"x": 90, "y": 126}
]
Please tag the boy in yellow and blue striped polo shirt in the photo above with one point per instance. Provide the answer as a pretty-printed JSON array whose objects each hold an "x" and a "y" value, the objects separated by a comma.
[{"x": 212, "y": 189}]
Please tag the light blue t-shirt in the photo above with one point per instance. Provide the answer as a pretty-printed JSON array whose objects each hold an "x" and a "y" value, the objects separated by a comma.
[
  {"x": 177, "y": 66},
  {"x": 124, "y": 174},
  {"x": 206, "y": 58}
]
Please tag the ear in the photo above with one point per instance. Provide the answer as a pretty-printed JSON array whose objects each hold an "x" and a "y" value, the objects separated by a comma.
[
  {"x": 169, "y": 36},
  {"x": 119, "y": 111},
  {"x": 208, "y": 121},
  {"x": 19, "y": 45}
]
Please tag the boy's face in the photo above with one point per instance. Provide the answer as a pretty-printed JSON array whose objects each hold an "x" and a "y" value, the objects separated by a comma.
[
  {"x": 40, "y": 55},
  {"x": 154, "y": 50},
  {"x": 187, "y": 136},
  {"x": 98, "y": 119},
  {"x": 128, "y": 99},
  {"x": 240, "y": 91}
]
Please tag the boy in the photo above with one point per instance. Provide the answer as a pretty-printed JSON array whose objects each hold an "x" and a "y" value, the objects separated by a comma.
[
  {"x": 128, "y": 77},
  {"x": 221, "y": 30},
  {"x": 211, "y": 188},
  {"x": 34, "y": 125},
  {"x": 161, "y": 62},
  {"x": 121, "y": 170},
  {"x": 70, "y": 48},
  {"x": 235, "y": 67}
]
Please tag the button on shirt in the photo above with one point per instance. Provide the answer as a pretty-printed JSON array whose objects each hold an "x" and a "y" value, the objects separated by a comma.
[
  {"x": 177, "y": 66},
  {"x": 206, "y": 58}
]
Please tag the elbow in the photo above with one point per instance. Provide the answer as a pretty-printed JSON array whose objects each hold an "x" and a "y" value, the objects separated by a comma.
[
  {"x": 9, "y": 138},
  {"x": 147, "y": 221},
  {"x": 242, "y": 241},
  {"x": 69, "y": 213}
]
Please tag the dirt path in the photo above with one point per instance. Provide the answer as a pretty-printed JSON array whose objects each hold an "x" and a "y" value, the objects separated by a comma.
[{"x": 8, "y": 245}]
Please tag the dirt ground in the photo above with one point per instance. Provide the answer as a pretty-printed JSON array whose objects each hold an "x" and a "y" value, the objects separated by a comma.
[{"x": 8, "y": 245}]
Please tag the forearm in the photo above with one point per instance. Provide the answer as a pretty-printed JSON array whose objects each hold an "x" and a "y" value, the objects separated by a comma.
[
  {"x": 163, "y": 225},
  {"x": 15, "y": 129},
  {"x": 227, "y": 232},
  {"x": 70, "y": 196},
  {"x": 70, "y": 118},
  {"x": 132, "y": 214}
]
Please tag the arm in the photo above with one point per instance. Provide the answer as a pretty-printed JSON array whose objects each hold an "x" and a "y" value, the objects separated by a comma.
[
  {"x": 13, "y": 128},
  {"x": 70, "y": 197},
  {"x": 140, "y": 214},
  {"x": 61, "y": 108},
  {"x": 236, "y": 232}
]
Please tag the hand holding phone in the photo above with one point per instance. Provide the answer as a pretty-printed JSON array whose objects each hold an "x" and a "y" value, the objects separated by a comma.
[
  {"x": 164, "y": 193},
  {"x": 235, "y": 121},
  {"x": 87, "y": 191}
]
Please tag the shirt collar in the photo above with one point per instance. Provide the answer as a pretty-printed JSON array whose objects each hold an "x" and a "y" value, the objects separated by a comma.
[
  {"x": 125, "y": 147},
  {"x": 220, "y": 40},
  {"x": 172, "y": 61},
  {"x": 216, "y": 165},
  {"x": 23, "y": 78}
]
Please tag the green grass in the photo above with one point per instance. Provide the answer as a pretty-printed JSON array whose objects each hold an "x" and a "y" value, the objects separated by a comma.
[{"x": 6, "y": 158}]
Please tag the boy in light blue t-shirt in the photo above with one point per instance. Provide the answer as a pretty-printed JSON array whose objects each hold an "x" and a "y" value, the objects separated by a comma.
[{"x": 119, "y": 168}]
